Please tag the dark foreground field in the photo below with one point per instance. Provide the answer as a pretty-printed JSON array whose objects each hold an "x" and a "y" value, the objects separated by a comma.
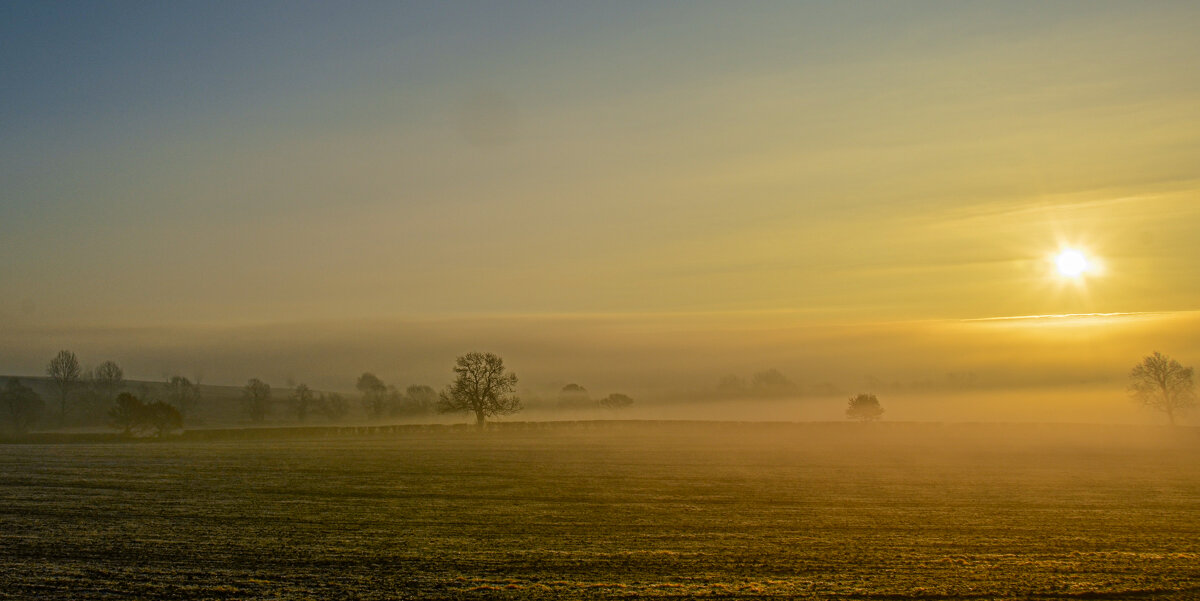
[{"x": 891, "y": 511}]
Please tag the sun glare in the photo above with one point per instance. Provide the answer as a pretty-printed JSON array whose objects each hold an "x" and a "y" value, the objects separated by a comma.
[{"x": 1072, "y": 263}]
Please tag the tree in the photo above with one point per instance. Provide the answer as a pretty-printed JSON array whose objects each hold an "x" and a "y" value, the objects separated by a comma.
[
  {"x": 482, "y": 386},
  {"x": 1160, "y": 382},
  {"x": 182, "y": 394},
  {"x": 256, "y": 399},
  {"x": 333, "y": 406},
  {"x": 64, "y": 371},
  {"x": 415, "y": 400},
  {"x": 131, "y": 416},
  {"x": 162, "y": 418},
  {"x": 772, "y": 383},
  {"x": 574, "y": 396},
  {"x": 421, "y": 398},
  {"x": 126, "y": 414},
  {"x": 731, "y": 385},
  {"x": 20, "y": 405},
  {"x": 864, "y": 408},
  {"x": 107, "y": 379},
  {"x": 374, "y": 394},
  {"x": 101, "y": 385},
  {"x": 302, "y": 401},
  {"x": 616, "y": 400}
]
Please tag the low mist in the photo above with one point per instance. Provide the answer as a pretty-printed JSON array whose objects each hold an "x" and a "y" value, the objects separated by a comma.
[{"x": 1030, "y": 369}]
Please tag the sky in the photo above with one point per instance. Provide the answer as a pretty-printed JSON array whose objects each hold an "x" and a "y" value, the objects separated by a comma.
[{"x": 637, "y": 194}]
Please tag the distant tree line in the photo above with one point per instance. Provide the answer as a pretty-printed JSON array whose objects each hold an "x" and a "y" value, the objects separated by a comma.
[
  {"x": 574, "y": 396},
  {"x": 133, "y": 417},
  {"x": 770, "y": 384},
  {"x": 482, "y": 387}
]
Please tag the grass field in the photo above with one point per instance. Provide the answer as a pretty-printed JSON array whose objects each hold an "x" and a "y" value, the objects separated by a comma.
[{"x": 607, "y": 510}]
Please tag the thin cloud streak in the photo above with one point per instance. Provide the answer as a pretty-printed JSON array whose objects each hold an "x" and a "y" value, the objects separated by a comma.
[{"x": 1062, "y": 316}]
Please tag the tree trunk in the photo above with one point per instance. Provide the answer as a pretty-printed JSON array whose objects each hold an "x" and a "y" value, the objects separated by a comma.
[
  {"x": 479, "y": 418},
  {"x": 1170, "y": 415}
]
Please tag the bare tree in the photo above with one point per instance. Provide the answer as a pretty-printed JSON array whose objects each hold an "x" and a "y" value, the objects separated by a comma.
[
  {"x": 256, "y": 399},
  {"x": 482, "y": 386},
  {"x": 616, "y": 400},
  {"x": 107, "y": 380},
  {"x": 374, "y": 394},
  {"x": 333, "y": 406},
  {"x": 1160, "y": 382},
  {"x": 302, "y": 401},
  {"x": 64, "y": 370},
  {"x": 100, "y": 385},
  {"x": 183, "y": 394},
  {"x": 421, "y": 398},
  {"x": 864, "y": 408},
  {"x": 20, "y": 406}
]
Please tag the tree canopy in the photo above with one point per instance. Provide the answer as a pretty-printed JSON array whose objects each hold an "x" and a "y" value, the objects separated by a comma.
[
  {"x": 20, "y": 406},
  {"x": 64, "y": 371},
  {"x": 481, "y": 385},
  {"x": 616, "y": 400},
  {"x": 374, "y": 394},
  {"x": 131, "y": 416},
  {"x": 864, "y": 408},
  {"x": 256, "y": 399},
  {"x": 1162, "y": 383}
]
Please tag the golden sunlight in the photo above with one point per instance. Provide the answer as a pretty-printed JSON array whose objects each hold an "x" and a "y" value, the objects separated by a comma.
[{"x": 1072, "y": 263}]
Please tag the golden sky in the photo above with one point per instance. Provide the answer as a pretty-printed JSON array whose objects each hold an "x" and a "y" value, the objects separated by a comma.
[{"x": 762, "y": 173}]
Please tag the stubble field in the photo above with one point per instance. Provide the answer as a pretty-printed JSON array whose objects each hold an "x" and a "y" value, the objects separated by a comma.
[{"x": 611, "y": 510}]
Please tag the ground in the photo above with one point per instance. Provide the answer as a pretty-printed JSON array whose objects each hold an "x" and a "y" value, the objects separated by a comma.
[{"x": 609, "y": 510}]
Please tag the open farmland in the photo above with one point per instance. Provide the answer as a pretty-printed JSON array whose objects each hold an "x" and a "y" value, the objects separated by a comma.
[{"x": 888, "y": 511}]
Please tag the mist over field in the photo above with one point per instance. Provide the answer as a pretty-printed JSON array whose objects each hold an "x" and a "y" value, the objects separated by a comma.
[
  {"x": 610, "y": 300},
  {"x": 1053, "y": 368}
]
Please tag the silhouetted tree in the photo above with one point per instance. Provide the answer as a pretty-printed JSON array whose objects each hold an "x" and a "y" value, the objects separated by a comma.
[
  {"x": 731, "y": 385},
  {"x": 772, "y": 383},
  {"x": 302, "y": 401},
  {"x": 333, "y": 406},
  {"x": 127, "y": 414},
  {"x": 131, "y": 416},
  {"x": 256, "y": 399},
  {"x": 573, "y": 396},
  {"x": 864, "y": 408},
  {"x": 183, "y": 394},
  {"x": 422, "y": 398},
  {"x": 100, "y": 386},
  {"x": 374, "y": 394},
  {"x": 64, "y": 371},
  {"x": 1162, "y": 383},
  {"x": 482, "y": 386},
  {"x": 21, "y": 406},
  {"x": 162, "y": 418},
  {"x": 616, "y": 401},
  {"x": 106, "y": 380},
  {"x": 415, "y": 400}
]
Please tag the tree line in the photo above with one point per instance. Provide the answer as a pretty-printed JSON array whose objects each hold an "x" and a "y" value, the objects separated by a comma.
[{"x": 482, "y": 387}]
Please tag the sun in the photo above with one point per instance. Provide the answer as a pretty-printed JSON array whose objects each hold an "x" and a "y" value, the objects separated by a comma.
[{"x": 1072, "y": 263}]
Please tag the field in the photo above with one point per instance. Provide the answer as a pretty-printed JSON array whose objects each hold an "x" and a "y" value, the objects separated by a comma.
[{"x": 611, "y": 510}]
